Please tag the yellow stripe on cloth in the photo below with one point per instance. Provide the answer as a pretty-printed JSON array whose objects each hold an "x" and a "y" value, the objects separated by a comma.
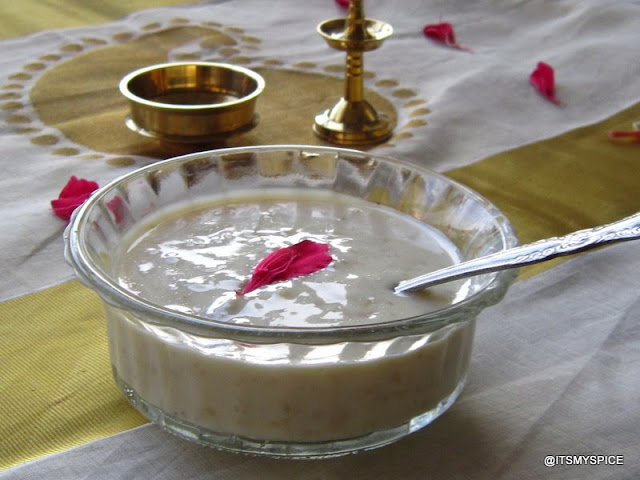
[
  {"x": 577, "y": 180},
  {"x": 56, "y": 387}
]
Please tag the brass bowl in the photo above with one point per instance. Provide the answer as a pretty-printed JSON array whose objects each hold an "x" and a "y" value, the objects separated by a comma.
[{"x": 192, "y": 102}]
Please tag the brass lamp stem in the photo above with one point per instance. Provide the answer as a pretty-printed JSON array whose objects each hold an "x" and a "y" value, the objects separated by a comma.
[
  {"x": 356, "y": 31},
  {"x": 354, "y": 84},
  {"x": 356, "y": 21}
]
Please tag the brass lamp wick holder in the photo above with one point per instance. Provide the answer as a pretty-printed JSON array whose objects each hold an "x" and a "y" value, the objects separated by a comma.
[{"x": 353, "y": 121}]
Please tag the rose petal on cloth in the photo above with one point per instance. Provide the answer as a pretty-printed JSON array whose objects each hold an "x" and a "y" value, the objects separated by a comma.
[
  {"x": 543, "y": 79},
  {"x": 343, "y": 3},
  {"x": 443, "y": 33},
  {"x": 74, "y": 194},
  {"x": 303, "y": 258},
  {"x": 633, "y": 135}
]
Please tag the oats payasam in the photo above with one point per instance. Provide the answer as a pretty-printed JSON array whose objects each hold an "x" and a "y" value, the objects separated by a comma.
[{"x": 329, "y": 362}]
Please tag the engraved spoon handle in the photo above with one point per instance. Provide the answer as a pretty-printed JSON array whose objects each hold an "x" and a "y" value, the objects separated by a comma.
[{"x": 540, "y": 251}]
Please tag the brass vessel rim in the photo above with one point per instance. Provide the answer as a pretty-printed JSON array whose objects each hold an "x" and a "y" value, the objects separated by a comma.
[{"x": 125, "y": 89}]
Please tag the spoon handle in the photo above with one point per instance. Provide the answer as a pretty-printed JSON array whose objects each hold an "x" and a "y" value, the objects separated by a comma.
[{"x": 540, "y": 251}]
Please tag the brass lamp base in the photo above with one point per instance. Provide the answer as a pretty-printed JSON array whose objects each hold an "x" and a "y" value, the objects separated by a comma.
[{"x": 352, "y": 123}]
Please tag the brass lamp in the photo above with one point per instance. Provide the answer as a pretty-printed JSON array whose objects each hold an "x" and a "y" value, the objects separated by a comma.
[{"x": 353, "y": 121}]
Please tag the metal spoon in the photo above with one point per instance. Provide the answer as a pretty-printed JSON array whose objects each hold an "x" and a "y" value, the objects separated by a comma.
[{"x": 626, "y": 229}]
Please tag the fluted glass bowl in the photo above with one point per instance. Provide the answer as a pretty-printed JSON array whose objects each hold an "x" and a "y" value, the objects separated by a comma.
[{"x": 288, "y": 391}]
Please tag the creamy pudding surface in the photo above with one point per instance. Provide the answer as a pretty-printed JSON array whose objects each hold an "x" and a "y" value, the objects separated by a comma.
[{"x": 195, "y": 260}]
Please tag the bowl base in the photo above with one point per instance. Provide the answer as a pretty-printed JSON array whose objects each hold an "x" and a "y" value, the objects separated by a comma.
[{"x": 282, "y": 449}]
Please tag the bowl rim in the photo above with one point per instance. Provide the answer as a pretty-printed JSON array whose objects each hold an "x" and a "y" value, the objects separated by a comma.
[
  {"x": 114, "y": 294},
  {"x": 246, "y": 99}
]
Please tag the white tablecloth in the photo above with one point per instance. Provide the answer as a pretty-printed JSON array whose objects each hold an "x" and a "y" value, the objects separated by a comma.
[{"x": 555, "y": 366}]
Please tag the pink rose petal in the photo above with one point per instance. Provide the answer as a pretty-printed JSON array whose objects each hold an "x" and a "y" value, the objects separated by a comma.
[
  {"x": 302, "y": 258},
  {"x": 542, "y": 78},
  {"x": 625, "y": 135},
  {"x": 74, "y": 194},
  {"x": 443, "y": 33}
]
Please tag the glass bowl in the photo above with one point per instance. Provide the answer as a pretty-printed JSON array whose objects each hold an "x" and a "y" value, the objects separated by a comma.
[{"x": 309, "y": 391}]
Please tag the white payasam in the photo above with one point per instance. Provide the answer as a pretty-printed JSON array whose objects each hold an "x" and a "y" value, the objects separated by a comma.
[
  {"x": 196, "y": 259},
  {"x": 196, "y": 262}
]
